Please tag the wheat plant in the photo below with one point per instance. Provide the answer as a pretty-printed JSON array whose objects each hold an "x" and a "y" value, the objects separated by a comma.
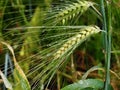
[
  {"x": 77, "y": 39},
  {"x": 45, "y": 35}
]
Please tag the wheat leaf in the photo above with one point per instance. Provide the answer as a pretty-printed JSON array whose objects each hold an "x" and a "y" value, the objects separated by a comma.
[{"x": 5, "y": 80}]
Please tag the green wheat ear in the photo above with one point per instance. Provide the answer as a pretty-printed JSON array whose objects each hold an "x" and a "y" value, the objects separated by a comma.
[
  {"x": 71, "y": 10},
  {"x": 77, "y": 39}
]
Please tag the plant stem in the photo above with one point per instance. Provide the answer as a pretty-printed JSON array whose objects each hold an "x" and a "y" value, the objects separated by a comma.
[
  {"x": 109, "y": 45},
  {"x": 104, "y": 24},
  {"x": 30, "y": 8},
  {"x": 107, "y": 40}
]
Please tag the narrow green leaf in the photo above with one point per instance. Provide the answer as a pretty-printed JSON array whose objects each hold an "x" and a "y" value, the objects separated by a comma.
[
  {"x": 22, "y": 82},
  {"x": 83, "y": 84}
]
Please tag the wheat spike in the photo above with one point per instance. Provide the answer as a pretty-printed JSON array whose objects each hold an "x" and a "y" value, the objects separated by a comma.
[
  {"x": 73, "y": 9},
  {"x": 77, "y": 39}
]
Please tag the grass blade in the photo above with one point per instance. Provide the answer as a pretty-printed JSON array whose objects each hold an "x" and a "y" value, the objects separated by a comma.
[
  {"x": 5, "y": 80},
  {"x": 83, "y": 84},
  {"x": 21, "y": 78}
]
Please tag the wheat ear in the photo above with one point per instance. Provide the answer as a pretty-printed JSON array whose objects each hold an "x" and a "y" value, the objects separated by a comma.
[
  {"x": 77, "y": 39},
  {"x": 73, "y": 9}
]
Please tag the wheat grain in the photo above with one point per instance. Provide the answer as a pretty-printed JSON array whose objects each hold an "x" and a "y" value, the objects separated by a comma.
[
  {"x": 73, "y": 9},
  {"x": 77, "y": 39}
]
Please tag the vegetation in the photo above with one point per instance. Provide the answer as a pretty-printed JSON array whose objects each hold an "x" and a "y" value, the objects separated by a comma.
[{"x": 59, "y": 44}]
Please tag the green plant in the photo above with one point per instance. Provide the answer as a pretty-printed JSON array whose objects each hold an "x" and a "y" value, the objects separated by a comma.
[
  {"x": 46, "y": 35},
  {"x": 107, "y": 39}
]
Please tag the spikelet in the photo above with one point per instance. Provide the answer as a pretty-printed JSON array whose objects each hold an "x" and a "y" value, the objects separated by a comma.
[
  {"x": 77, "y": 39},
  {"x": 73, "y": 9}
]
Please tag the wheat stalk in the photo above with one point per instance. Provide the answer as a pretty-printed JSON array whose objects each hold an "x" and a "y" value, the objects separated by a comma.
[
  {"x": 77, "y": 39},
  {"x": 73, "y": 9}
]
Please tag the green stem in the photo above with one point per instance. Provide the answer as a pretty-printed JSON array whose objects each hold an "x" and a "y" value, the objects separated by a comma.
[
  {"x": 107, "y": 40},
  {"x": 109, "y": 46},
  {"x": 104, "y": 24}
]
